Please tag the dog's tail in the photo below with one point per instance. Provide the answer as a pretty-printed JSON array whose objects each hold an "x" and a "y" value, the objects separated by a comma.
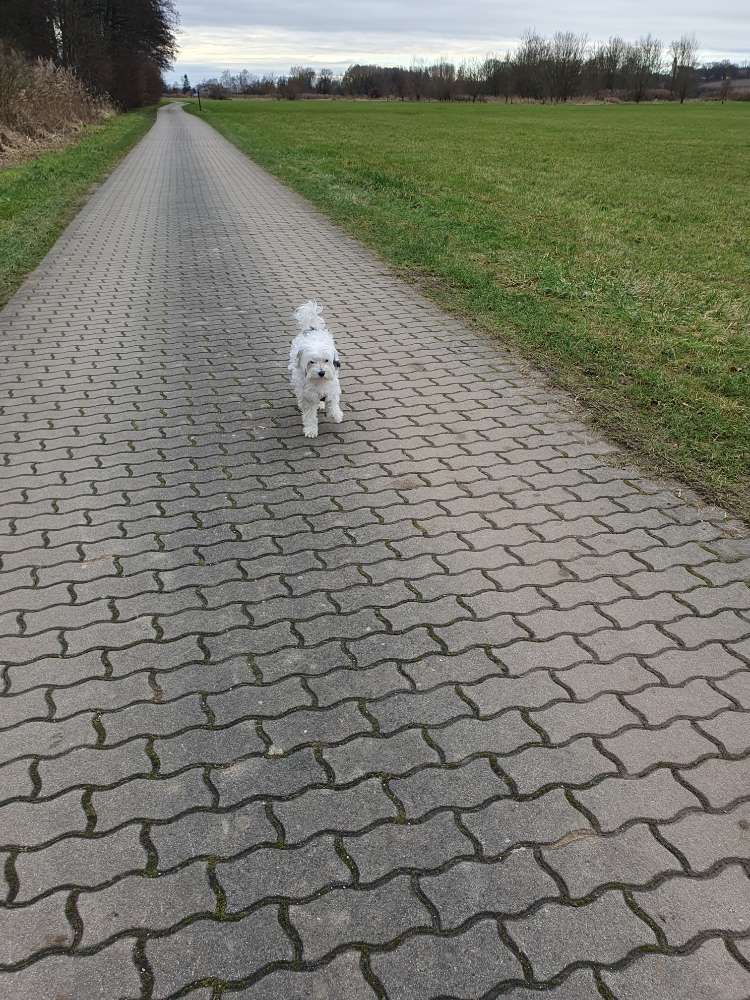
[{"x": 310, "y": 316}]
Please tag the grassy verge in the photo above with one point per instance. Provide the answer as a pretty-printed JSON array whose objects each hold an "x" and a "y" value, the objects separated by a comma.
[
  {"x": 38, "y": 198},
  {"x": 608, "y": 244}
]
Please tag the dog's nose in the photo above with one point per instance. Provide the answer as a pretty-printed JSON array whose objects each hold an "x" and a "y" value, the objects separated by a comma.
[{"x": 321, "y": 373}]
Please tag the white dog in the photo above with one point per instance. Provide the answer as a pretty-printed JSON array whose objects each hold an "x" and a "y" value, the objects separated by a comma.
[{"x": 314, "y": 369}]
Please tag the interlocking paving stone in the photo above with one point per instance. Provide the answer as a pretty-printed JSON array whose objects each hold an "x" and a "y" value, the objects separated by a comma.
[
  {"x": 208, "y": 746},
  {"x": 695, "y": 699},
  {"x": 576, "y": 764},
  {"x": 375, "y": 755},
  {"x": 679, "y": 665},
  {"x": 146, "y": 718},
  {"x": 15, "y": 779},
  {"x": 707, "y": 973},
  {"x": 400, "y": 845},
  {"x": 543, "y": 820},
  {"x": 614, "y": 801},
  {"x": 731, "y": 729},
  {"x": 461, "y": 787},
  {"x": 372, "y": 683},
  {"x": 685, "y": 907},
  {"x": 641, "y": 640},
  {"x": 345, "y": 916},
  {"x": 465, "y": 634},
  {"x": 267, "y": 776},
  {"x": 108, "y": 973},
  {"x": 587, "y": 862},
  {"x": 212, "y": 949},
  {"x": 308, "y": 662},
  {"x": 557, "y": 935},
  {"x": 340, "y": 979},
  {"x": 498, "y": 693},
  {"x": 139, "y": 901},
  {"x": 343, "y": 810},
  {"x": 143, "y": 798},
  {"x": 47, "y": 738},
  {"x": 601, "y": 716},
  {"x": 290, "y": 872},
  {"x": 418, "y": 709},
  {"x": 329, "y": 725},
  {"x": 211, "y": 834},
  {"x": 34, "y": 928},
  {"x": 737, "y": 687},
  {"x": 678, "y": 743},
  {"x": 578, "y": 985},
  {"x": 100, "y": 766},
  {"x": 234, "y": 639},
  {"x": 724, "y": 626},
  {"x": 30, "y": 824},
  {"x": 555, "y": 654},
  {"x": 721, "y": 781},
  {"x": 55, "y": 670},
  {"x": 501, "y": 735},
  {"x": 426, "y": 966},
  {"x": 589, "y": 679},
  {"x": 508, "y": 887},
  {"x": 258, "y": 701},
  {"x": 23, "y": 708},
  {"x": 79, "y": 861},
  {"x": 459, "y": 668}
]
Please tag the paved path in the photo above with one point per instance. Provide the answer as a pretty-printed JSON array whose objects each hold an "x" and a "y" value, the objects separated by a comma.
[{"x": 444, "y": 704}]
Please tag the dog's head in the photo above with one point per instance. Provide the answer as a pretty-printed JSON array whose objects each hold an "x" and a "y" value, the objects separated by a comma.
[{"x": 318, "y": 366}]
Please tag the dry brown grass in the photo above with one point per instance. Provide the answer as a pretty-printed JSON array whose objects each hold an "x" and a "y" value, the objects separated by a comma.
[{"x": 42, "y": 106}]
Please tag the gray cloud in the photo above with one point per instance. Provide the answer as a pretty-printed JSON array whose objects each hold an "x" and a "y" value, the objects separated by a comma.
[{"x": 263, "y": 36}]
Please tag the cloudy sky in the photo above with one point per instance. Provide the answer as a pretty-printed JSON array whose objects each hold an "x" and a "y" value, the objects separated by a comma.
[{"x": 260, "y": 36}]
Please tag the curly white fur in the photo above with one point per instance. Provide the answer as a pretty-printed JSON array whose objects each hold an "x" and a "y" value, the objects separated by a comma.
[{"x": 313, "y": 369}]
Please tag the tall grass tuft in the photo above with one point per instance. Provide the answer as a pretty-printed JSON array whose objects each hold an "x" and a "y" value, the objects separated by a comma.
[{"x": 40, "y": 101}]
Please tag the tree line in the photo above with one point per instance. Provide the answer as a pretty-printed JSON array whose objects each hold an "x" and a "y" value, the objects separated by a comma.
[
  {"x": 115, "y": 47},
  {"x": 554, "y": 69}
]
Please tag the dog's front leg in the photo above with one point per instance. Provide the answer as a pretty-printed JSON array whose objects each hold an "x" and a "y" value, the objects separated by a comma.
[
  {"x": 310, "y": 420},
  {"x": 333, "y": 409}
]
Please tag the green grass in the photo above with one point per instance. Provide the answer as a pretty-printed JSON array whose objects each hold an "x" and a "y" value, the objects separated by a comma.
[
  {"x": 38, "y": 198},
  {"x": 610, "y": 244}
]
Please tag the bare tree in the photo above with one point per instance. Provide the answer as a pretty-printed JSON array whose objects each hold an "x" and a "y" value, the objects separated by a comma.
[
  {"x": 611, "y": 58},
  {"x": 472, "y": 79},
  {"x": 564, "y": 64},
  {"x": 684, "y": 53},
  {"x": 498, "y": 75},
  {"x": 419, "y": 79},
  {"x": 324, "y": 83},
  {"x": 643, "y": 62},
  {"x": 529, "y": 64},
  {"x": 304, "y": 77},
  {"x": 442, "y": 76}
]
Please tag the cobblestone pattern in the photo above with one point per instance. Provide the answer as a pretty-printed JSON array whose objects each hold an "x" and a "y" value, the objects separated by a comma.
[{"x": 445, "y": 703}]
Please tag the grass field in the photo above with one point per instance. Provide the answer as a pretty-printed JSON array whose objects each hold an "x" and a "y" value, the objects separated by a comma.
[
  {"x": 610, "y": 244},
  {"x": 38, "y": 198}
]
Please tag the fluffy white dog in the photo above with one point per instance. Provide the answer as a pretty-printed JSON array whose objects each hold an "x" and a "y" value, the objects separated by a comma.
[{"x": 314, "y": 369}]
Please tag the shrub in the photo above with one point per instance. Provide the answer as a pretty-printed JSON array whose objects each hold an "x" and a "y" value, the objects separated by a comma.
[{"x": 38, "y": 98}]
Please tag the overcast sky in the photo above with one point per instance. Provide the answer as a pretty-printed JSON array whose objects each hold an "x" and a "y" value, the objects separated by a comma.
[{"x": 259, "y": 36}]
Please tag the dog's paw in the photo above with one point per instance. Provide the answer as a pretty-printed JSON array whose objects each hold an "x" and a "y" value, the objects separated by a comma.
[
  {"x": 311, "y": 432},
  {"x": 337, "y": 416}
]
